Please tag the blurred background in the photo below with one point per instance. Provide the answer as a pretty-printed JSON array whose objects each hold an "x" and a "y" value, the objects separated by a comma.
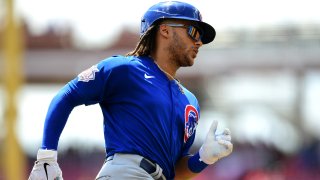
[{"x": 260, "y": 78}]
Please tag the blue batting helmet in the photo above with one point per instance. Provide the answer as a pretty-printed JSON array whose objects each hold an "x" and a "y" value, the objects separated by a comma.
[{"x": 176, "y": 10}]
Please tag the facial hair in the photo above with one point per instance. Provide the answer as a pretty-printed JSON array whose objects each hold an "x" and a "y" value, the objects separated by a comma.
[{"x": 178, "y": 53}]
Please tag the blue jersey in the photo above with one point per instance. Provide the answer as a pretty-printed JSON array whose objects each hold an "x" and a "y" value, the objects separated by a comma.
[{"x": 144, "y": 112}]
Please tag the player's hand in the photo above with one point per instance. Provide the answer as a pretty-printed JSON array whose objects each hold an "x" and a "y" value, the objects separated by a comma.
[
  {"x": 46, "y": 167},
  {"x": 215, "y": 146}
]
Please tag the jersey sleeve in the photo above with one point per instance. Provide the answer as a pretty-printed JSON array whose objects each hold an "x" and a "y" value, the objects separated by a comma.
[
  {"x": 58, "y": 112},
  {"x": 95, "y": 84},
  {"x": 89, "y": 87}
]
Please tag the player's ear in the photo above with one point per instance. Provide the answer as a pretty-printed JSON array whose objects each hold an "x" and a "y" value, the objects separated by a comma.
[{"x": 164, "y": 30}]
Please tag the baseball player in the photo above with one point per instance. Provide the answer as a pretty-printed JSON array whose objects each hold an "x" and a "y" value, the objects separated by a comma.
[{"x": 150, "y": 118}]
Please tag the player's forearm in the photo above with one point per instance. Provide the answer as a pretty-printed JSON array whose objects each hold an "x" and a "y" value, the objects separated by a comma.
[
  {"x": 56, "y": 118},
  {"x": 182, "y": 169}
]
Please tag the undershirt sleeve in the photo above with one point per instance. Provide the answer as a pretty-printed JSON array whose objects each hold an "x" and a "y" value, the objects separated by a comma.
[{"x": 59, "y": 110}]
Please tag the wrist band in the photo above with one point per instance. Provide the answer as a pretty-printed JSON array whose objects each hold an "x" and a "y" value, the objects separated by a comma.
[{"x": 195, "y": 164}]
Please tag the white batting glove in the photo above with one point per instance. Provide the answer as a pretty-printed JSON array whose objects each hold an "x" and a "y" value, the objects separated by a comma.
[
  {"x": 46, "y": 167},
  {"x": 215, "y": 146}
]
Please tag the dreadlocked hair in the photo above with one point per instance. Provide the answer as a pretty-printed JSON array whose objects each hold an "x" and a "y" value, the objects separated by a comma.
[{"x": 146, "y": 44}]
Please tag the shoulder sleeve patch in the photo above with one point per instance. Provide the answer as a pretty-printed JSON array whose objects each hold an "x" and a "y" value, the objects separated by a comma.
[{"x": 88, "y": 74}]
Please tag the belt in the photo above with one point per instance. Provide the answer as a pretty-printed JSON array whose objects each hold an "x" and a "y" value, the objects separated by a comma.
[{"x": 151, "y": 168}]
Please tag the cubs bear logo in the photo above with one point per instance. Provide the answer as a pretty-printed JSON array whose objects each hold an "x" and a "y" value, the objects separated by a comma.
[
  {"x": 88, "y": 74},
  {"x": 190, "y": 121}
]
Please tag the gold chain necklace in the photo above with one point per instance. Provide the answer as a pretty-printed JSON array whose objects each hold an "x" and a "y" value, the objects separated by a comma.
[{"x": 171, "y": 78}]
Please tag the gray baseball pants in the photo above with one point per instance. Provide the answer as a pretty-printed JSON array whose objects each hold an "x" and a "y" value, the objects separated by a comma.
[{"x": 129, "y": 166}]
